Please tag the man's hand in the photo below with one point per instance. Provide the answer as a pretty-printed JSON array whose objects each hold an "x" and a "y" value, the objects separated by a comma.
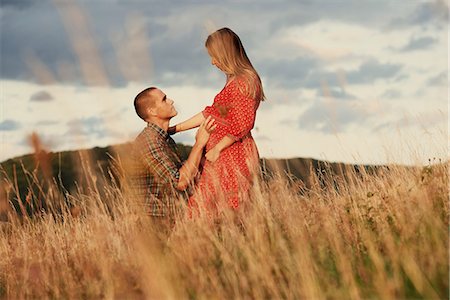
[
  {"x": 212, "y": 155},
  {"x": 204, "y": 131}
]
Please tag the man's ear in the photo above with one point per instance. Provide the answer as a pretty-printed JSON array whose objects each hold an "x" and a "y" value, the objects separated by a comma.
[{"x": 152, "y": 111}]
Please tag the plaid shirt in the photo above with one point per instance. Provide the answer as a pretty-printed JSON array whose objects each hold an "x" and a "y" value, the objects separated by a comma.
[{"x": 156, "y": 171}]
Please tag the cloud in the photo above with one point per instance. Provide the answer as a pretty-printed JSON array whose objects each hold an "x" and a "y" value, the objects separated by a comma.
[
  {"x": 37, "y": 33},
  {"x": 174, "y": 42},
  {"x": 46, "y": 123},
  {"x": 366, "y": 13},
  {"x": 9, "y": 125},
  {"x": 85, "y": 126},
  {"x": 419, "y": 44},
  {"x": 47, "y": 141},
  {"x": 391, "y": 94},
  {"x": 336, "y": 93},
  {"x": 309, "y": 72},
  {"x": 433, "y": 11},
  {"x": 290, "y": 73},
  {"x": 372, "y": 70},
  {"x": 16, "y": 4},
  {"x": 424, "y": 121},
  {"x": 426, "y": 13},
  {"x": 41, "y": 96},
  {"x": 367, "y": 73},
  {"x": 123, "y": 36},
  {"x": 440, "y": 79},
  {"x": 331, "y": 116},
  {"x": 92, "y": 126}
]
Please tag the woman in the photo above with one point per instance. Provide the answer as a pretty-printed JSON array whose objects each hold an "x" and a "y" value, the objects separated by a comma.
[{"x": 231, "y": 155}]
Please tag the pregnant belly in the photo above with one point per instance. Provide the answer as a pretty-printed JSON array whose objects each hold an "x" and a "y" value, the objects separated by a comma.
[{"x": 215, "y": 137}]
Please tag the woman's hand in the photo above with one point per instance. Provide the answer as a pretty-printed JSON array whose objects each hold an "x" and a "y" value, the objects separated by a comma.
[{"x": 212, "y": 155}]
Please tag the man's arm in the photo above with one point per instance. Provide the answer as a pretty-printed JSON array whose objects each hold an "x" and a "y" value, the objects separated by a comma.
[
  {"x": 193, "y": 122},
  {"x": 190, "y": 167}
]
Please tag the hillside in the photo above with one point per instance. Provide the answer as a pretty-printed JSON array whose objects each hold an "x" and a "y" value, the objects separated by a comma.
[
  {"x": 63, "y": 165},
  {"x": 31, "y": 174}
]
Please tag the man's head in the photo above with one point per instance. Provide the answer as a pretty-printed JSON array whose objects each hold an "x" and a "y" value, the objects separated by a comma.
[{"x": 152, "y": 103}]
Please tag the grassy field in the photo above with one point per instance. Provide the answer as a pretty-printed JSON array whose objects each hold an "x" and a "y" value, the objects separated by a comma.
[{"x": 382, "y": 235}]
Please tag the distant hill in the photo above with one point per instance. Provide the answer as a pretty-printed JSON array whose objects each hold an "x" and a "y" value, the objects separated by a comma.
[{"x": 68, "y": 170}]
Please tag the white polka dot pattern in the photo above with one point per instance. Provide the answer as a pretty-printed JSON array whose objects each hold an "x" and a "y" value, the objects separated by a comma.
[{"x": 230, "y": 175}]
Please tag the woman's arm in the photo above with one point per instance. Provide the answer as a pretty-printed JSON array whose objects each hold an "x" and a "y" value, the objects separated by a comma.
[
  {"x": 214, "y": 153},
  {"x": 242, "y": 119},
  {"x": 193, "y": 122}
]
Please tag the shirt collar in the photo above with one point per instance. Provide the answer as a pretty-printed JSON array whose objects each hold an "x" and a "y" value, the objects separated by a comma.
[{"x": 159, "y": 130}]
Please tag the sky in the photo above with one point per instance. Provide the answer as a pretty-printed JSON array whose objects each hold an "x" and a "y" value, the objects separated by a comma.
[{"x": 356, "y": 81}]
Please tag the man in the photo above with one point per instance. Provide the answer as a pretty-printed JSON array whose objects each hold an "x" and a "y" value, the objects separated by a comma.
[{"x": 160, "y": 176}]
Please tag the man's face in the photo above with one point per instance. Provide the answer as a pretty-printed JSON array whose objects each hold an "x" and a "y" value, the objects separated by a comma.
[{"x": 163, "y": 108}]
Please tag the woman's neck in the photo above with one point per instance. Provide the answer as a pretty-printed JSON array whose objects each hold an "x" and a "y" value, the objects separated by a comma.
[{"x": 230, "y": 78}]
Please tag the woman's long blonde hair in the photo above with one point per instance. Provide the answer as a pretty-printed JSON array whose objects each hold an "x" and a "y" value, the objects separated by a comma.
[{"x": 226, "y": 47}]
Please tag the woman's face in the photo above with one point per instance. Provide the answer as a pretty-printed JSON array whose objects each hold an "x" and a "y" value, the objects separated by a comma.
[{"x": 214, "y": 61}]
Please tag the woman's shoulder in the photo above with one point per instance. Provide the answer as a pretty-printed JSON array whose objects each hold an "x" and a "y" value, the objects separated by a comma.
[
  {"x": 243, "y": 84},
  {"x": 243, "y": 80},
  {"x": 238, "y": 83}
]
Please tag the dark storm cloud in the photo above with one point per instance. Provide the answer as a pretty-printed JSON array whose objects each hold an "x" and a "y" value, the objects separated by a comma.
[
  {"x": 9, "y": 125},
  {"x": 41, "y": 96},
  {"x": 35, "y": 29},
  {"x": 176, "y": 35},
  {"x": 43, "y": 35},
  {"x": 422, "y": 43},
  {"x": 16, "y": 4}
]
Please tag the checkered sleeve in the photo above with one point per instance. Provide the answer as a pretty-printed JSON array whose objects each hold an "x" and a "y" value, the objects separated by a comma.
[{"x": 156, "y": 157}]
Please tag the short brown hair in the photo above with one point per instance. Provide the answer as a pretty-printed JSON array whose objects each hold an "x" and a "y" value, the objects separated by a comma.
[{"x": 141, "y": 102}]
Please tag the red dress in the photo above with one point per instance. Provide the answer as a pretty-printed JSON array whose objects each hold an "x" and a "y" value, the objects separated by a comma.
[{"x": 229, "y": 177}]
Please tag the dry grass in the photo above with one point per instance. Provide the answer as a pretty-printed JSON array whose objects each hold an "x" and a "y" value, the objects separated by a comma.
[{"x": 370, "y": 236}]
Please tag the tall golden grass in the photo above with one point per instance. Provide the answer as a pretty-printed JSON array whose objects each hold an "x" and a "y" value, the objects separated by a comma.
[{"x": 381, "y": 235}]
